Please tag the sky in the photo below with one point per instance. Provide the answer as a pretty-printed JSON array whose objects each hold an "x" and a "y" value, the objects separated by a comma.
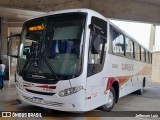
[
  {"x": 157, "y": 38},
  {"x": 139, "y": 31}
]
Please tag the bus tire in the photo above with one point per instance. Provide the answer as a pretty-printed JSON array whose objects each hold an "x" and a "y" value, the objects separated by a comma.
[
  {"x": 141, "y": 91},
  {"x": 111, "y": 101}
]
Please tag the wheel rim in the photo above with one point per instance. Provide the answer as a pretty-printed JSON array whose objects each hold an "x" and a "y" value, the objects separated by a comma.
[{"x": 110, "y": 100}]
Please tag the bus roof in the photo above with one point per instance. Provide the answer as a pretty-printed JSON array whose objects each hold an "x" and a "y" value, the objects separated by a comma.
[{"x": 91, "y": 12}]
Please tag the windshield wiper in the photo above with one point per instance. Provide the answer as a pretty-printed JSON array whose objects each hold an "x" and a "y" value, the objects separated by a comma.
[
  {"x": 25, "y": 67},
  {"x": 50, "y": 68},
  {"x": 41, "y": 51},
  {"x": 29, "y": 62}
]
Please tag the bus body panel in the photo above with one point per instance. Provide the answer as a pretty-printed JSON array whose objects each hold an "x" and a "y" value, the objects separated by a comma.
[
  {"x": 61, "y": 103},
  {"x": 129, "y": 79},
  {"x": 129, "y": 74}
]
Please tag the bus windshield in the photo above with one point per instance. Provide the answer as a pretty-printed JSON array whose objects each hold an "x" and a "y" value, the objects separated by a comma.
[{"x": 52, "y": 45}]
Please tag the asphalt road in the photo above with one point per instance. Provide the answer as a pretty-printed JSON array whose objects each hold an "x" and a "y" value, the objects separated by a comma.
[{"x": 146, "y": 105}]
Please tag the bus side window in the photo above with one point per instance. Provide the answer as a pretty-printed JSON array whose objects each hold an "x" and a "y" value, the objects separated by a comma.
[
  {"x": 129, "y": 48},
  {"x": 137, "y": 51},
  {"x": 150, "y": 57},
  {"x": 97, "y": 46},
  {"x": 143, "y": 53},
  {"x": 147, "y": 60},
  {"x": 118, "y": 46}
]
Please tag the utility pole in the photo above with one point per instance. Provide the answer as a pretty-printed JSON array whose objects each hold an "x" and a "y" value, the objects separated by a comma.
[
  {"x": 152, "y": 37},
  {"x": 0, "y": 38}
]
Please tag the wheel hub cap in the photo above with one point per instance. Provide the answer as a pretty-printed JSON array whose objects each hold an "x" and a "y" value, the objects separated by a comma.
[{"x": 110, "y": 99}]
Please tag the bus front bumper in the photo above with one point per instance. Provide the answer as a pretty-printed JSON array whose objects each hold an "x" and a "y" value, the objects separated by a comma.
[{"x": 61, "y": 103}]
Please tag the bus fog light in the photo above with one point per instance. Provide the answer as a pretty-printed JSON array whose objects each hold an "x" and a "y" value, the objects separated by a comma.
[
  {"x": 70, "y": 91},
  {"x": 19, "y": 85}
]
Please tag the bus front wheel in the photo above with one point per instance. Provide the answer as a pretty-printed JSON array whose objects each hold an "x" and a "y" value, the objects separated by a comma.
[{"x": 111, "y": 101}]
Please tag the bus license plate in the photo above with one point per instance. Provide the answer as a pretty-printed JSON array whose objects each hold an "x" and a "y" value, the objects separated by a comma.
[{"x": 37, "y": 100}]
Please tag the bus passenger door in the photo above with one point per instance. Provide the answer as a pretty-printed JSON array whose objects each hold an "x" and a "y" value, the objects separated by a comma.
[
  {"x": 96, "y": 59},
  {"x": 12, "y": 52}
]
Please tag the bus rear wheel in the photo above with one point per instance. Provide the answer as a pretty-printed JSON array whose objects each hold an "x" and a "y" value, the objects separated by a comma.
[
  {"x": 141, "y": 90},
  {"x": 111, "y": 101}
]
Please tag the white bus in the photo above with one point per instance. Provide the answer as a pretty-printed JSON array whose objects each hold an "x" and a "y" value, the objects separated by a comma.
[{"x": 77, "y": 60}]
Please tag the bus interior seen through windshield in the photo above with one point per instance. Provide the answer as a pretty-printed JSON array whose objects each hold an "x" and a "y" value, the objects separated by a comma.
[{"x": 52, "y": 46}]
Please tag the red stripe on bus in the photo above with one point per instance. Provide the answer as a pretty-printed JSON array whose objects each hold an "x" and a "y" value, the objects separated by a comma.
[
  {"x": 46, "y": 86},
  {"x": 111, "y": 80},
  {"x": 120, "y": 80}
]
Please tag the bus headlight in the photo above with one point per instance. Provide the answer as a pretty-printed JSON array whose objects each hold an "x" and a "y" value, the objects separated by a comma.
[{"x": 70, "y": 91}]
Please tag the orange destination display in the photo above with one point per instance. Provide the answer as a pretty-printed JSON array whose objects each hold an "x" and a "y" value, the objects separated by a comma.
[{"x": 36, "y": 28}]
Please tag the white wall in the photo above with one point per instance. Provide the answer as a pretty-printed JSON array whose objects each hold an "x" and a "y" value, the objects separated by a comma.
[{"x": 156, "y": 67}]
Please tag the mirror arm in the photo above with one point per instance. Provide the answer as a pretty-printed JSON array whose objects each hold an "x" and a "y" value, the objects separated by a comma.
[
  {"x": 9, "y": 45},
  {"x": 16, "y": 35},
  {"x": 15, "y": 56}
]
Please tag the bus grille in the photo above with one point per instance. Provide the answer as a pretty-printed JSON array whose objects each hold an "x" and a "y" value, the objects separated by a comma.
[
  {"x": 48, "y": 103},
  {"x": 41, "y": 93}
]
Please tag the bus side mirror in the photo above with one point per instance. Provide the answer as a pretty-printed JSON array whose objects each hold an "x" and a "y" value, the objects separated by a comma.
[
  {"x": 96, "y": 44},
  {"x": 91, "y": 27},
  {"x": 12, "y": 49},
  {"x": 8, "y": 46}
]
